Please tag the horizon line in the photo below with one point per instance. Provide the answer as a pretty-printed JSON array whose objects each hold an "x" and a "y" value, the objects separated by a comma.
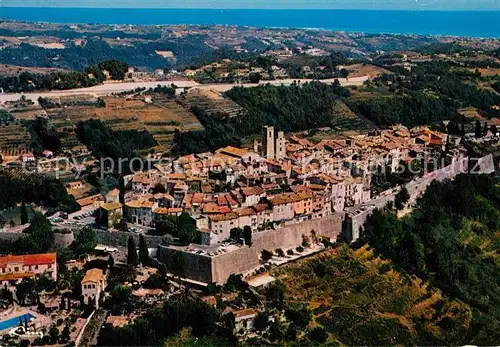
[{"x": 258, "y": 8}]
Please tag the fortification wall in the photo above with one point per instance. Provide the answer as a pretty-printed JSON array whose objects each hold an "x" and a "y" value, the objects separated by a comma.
[
  {"x": 218, "y": 268},
  {"x": 197, "y": 267},
  {"x": 416, "y": 188},
  {"x": 120, "y": 239}
]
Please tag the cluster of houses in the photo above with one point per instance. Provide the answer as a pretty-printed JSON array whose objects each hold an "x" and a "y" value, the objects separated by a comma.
[
  {"x": 15, "y": 268},
  {"x": 280, "y": 180}
]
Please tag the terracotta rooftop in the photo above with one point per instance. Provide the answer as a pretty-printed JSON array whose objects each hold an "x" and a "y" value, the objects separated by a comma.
[
  {"x": 164, "y": 210},
  {"x": 112, "y": 206},
  {"x": 28, "y": 259},
  {"x": 233, "y": 151},
  {"x": 222, "y": 217},
  {"x": 248, "y": 191},
  {"x": 140, "y": 204},
  {"x": 93, "y": 275},
  {"x": 89, "y": 200}
]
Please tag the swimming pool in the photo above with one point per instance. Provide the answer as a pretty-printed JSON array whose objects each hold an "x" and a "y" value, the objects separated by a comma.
[{"x": 15, "y": 321}]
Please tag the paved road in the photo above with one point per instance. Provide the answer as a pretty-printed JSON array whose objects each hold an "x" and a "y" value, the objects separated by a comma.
[{"x": 110, "y": 88}]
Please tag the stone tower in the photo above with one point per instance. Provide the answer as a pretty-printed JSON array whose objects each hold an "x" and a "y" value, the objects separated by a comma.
[
  {"x": 280, "y": 145},
  {"x": 268, "y": 141}
]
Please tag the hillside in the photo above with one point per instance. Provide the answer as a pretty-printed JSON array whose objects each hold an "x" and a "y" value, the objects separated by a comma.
[{"x": 362, "y": 299}]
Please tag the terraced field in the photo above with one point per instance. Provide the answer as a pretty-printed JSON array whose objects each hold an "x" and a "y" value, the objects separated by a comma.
[
  {"x": 161, "y": 118},
  {"x": 212, "y": 101},
  {"x": 15, "y": 140}
]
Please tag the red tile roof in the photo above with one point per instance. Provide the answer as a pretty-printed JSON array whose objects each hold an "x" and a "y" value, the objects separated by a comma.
[{"x": 28, "y": 259}]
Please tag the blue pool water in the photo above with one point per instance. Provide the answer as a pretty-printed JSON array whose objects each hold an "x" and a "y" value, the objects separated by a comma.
[
  {"x": 15, "y": 321},
  {"x": 460, "y": 23}
]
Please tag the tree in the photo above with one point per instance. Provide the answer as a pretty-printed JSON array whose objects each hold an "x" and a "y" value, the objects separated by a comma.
[
  {"x": 493, "y": 129},
  {"x": 462, "y": 129},
  {"x": 236, "y": 234},
  {"x": 53, "y": 334},
  {"x": 280, "y": 252},
  {"x": 478, "y": 131},
  {"x": 276, "y": 294},
  {"x": 111, "y": 262},
  {"x": 144, "y": 258},
  {"x": 254, "y": 77},
  {"x": 247, "y": 235},
  {"x": 401, "y": 198},
  {"x": 65, "y": 334},
  {"x": 291, "y": 333},
  {"x": 485, "y": 129},
  {"x": 85, "y": 241},
  {"x": 132, "y": 252},
  {"x": 299, "y": 315},
  {"x": 120, "y": 300},
  {"x": 121, "y": 188},
  {"x": 261, "y": 321},
  {"x": 24, "y": 214},
  {"x": 187, "y": 231},
  {"x": 266, "y": 255},
  {"x": 318, "y": 335},
  {"x": 229, "y": 321}
]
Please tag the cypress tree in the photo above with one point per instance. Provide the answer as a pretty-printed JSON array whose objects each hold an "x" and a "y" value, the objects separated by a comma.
[
  {"x": 143, "y": 251},
  {"x": 477, "y": 131},
  {"x": 24, "y": 214},
  {"x": 132, "y": 252}
]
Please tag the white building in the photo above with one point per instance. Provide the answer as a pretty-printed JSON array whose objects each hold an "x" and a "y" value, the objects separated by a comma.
[
  {"x": 13, "y": 268},
  {"x": 93, "y": 284}
]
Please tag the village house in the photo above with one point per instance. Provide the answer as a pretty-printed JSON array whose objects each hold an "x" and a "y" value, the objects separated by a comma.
[
  {"x": 91, "y": 202},
  {"x": 140, "y": 212},
  {"x": 221, "y": 225},
  {"x": 282, "y": 205},
  {"x": 14, "y": 268},
  {"x": 109, "y": 214},
  {"x": 93, "y": 284}
]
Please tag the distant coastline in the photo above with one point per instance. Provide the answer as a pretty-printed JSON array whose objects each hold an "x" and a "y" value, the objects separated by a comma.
[{"x": 409, "y": 22}]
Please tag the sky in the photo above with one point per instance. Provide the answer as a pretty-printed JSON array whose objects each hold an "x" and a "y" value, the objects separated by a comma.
[{"x": 268, "y": 4}]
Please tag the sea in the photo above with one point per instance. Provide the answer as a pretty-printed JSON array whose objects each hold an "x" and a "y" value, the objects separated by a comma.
[{"x": 452, "y": 23}]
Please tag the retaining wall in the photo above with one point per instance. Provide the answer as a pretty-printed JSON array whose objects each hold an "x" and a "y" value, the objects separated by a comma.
[{"x": 218, "y": 268}]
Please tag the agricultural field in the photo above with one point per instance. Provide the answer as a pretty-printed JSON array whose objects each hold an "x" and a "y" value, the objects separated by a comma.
[
  {"x": 372, "y": 71},
  {"x": 15, "y": 141},
  {"x": 212, "y": 102},
  {"x": 161, "y": 117},
  {"x": 359, "y": 299}
]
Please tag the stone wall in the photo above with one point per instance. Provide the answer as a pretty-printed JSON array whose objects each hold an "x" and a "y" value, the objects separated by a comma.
[
  {"x": 357, "y": 216},
  {"x": 197, "y": 267},
  {"x": 218, "y": 268},
  {"x": 120, "y": 239},
  {"x": 10, "y": 236}
]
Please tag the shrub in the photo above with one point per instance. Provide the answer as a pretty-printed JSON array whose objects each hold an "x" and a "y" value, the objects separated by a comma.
[
  {"x": 318, "y": 334},
  {"x": 299, "y": 249},
  {"x": 266, "y": 255},
  {"x": 280, "y": 252}
]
